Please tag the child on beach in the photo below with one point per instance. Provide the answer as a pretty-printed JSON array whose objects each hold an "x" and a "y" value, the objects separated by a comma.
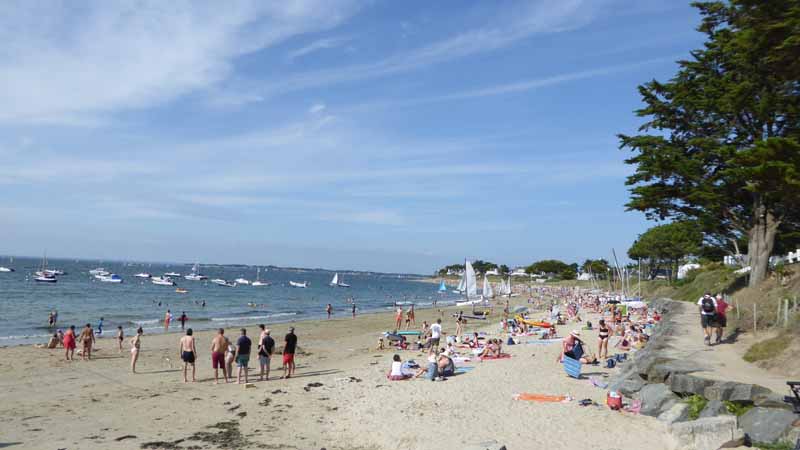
[
  {"x": 120, "y": 337},
  {"x": 396, "y": 372}
]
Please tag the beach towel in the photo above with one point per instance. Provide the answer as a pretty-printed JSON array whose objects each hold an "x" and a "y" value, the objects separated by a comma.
[
  {"x": 463, "y": 369},
  {"x": 542, "y": 398},
  {"x": 501, "y": 356},
  {"x": 572, "y": 367}
]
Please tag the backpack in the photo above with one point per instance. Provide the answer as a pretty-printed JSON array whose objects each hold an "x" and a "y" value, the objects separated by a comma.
[
  {"x": 577, "y": 350},
  {"x": 708, "y": 305}
]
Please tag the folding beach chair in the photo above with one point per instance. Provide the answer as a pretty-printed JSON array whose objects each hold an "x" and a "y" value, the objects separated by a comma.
[
  {"x": 794, "y": 386},
  {"x": 572, "y": 367}
]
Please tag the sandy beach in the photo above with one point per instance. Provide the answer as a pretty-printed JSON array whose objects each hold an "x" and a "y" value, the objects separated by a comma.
[{"x": 340, "y": 398}]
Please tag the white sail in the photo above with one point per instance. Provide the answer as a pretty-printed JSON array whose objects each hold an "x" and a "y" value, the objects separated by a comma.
[
  {"x": 487, "y": 288},
  {"x": 335, "y": 280},
  {"x": 471, "y": 283},
  {"x": 462, "y": 285}
]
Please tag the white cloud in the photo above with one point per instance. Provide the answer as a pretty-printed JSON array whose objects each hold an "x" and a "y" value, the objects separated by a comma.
[
  {"x": 316, "y": 108},
  {"x": 63, "y": 63},
  {"x": 321, "y": 44}
]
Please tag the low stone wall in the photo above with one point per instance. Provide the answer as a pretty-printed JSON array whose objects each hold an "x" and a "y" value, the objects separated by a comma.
[{"x": 660, "y": 381}]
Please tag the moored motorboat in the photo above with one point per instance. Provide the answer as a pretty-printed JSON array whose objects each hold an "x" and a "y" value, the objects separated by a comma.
[
  {"x": 111, "y": 278},
  {"x": 243, "y": 281},
  {"x": 223, "y": 283},
  {"x": 172, "y": 274},
  {"x": 142, "y": 275},
  {"x": 162, "y": 281},
  {"x": 195, "y": 275},
  {"x": 6, "y": 269}
]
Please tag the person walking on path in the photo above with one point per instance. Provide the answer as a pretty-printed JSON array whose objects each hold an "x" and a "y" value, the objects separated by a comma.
[
  {"x": 289, "y": 347},
  {"x": 266, "y": 347},
  {"x": 708, "y": 311},
  {"x": 243, "y": 345},
  {"x": 218, "y": 346},
  {"x": 188, "y": 354},
  {"x": 721, "y": 318}
]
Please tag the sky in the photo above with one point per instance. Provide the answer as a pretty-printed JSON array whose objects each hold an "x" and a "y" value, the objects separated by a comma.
[{"x": 345, "y": 134}]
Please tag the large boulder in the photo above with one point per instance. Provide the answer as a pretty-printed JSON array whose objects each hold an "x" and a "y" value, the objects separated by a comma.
[
  {"x": 714, "y": 408},
  {"x": 767, "y": 424},
  {"x": 704, "y": 434},
  {"x": 656, "y": 398},
  {"x": 735, "y": 392},
  {"x": 678, "y": 412},
  {"x": 772, "y": 400},
  {"x": 684, "y": 383}
]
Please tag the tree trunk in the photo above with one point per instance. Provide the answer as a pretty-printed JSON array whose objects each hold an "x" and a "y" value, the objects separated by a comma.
[{"x": 761, "y": 241}]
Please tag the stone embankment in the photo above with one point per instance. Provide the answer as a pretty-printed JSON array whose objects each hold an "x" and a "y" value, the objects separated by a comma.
[{"x": 663, "y": 375}]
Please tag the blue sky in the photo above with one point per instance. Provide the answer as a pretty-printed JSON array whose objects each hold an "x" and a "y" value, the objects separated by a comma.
[{"x": 377, "y": 135}]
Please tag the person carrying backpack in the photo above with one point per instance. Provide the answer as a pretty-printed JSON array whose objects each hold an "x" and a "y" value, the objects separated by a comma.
[{"x": 708, "y": 311}]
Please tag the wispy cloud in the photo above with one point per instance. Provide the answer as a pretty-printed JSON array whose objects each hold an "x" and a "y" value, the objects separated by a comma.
[
  {"x": 116, "y": 55},
  {"x": 320, "y": 44}
]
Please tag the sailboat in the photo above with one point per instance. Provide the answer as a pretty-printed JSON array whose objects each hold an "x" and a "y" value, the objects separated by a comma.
[
  {"x": 470, "y": 286},
  {"x": 44, "y": 275},
  {"x": 442, "y": 287},
  {"x": 258, "y": 281},
  {"x": 488, "y": 292},
  {"x": 195, "y": 275},
  {"x": 462, "y": 284},
  {"x": 337, "y": 282}
]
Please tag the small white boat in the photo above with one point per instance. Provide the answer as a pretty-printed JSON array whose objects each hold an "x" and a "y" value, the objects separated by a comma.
[
  {"x": 195, "y": 275},
  {"x": 223, "y": 283},
  {"x": 336, "y": 281},
  {"x": 172, "y": 274},
  {"x": 98, "y": 271},
  {"x": 102, "y": 274},
  {"x": 162, "y": 281},
  {"x": 243, "y": 281},
  {"x": 143, "y": 275},
  {"x": 45, "y": 279},
  {"x": 258, "y": 281},
  {"x": 304, "y": 284},
  {"x": 111, "y": 278},
  {"x": 6, "y": 269}
]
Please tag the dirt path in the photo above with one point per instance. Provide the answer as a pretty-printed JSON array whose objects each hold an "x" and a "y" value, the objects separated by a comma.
[{"x": 724, "y": 360}]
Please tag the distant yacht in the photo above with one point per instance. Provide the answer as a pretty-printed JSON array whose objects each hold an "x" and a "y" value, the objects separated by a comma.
[
  {"x": 336, "y": 281},
  {"x": 304, "y": 284},
  {"x": 143, "y": 275},
  {"x": 172, "y": 274},
  {"x": 45, "y": 279},
  {"x": 181, "y": 291},
  {"x": 101, "y": 274},
  {"x": 162, "y": 281},
  {"x": 223, "y": 283},
  {"x": 195, "y": 275},
  {"x": 6, "y": 269},
  {"x": 98, "y": 271},
  {"x": 258, "y": 281},
  {"x": 111, "y": 278},
  {"x": 44, "y": 275},
  {"x": 243, "y": 281}
]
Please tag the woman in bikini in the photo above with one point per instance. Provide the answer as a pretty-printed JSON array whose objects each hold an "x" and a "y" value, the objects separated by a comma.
[
  {"x": 87, "y": 338},
  {"x": 136, "y": 346},
  {"x": 603, "y": 333}
]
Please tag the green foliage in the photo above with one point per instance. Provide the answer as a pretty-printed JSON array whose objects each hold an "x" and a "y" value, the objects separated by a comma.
[
  {"x": 547, "y": 266},
  {"x": 737, "y": 408},
  {"x": 665, "y": 245},
  {"x": 715, "y": 280},
  {"x": 568, "y": 274},
  {"x": 452, "y": 267},
  {"x": 598, "y": 268},
  {"x": 721, "y": 141},
  {"x": 503, "y": 269},
  {"x": 780, "y": 445},
  {"x": 768, "y": 348},
  {"x": 696, "y": 404}
]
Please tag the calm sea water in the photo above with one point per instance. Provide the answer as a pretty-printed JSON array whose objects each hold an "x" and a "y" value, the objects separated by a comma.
[{"x": 79, "y": 298}]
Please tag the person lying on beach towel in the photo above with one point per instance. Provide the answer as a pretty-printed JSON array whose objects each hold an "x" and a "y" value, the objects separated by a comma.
[
  {"x": 492, "y": 348},
  {"x": 441, "y": 366}
]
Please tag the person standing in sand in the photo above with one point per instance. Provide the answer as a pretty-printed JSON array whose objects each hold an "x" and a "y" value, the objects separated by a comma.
[
  {"x": 243, "y": 345},
  {"x": 436, "y": 334},
  {"x": 218, "y": 346},
  {"x": 412, "y": 316},
  {"x": 183, "y": 318},
  {"x": 87, "y": 339},
  {"x": 188, "y": 354},
  {"x": 136, "y": 347},
  {"x": 120, "y": 337},
  {"x": 289, "y": 347},
  {"x": 69, "y": 343},
  {"x": 329, "y": 310},
  {"x": 354, "y": 309},
  {"x": 266, "y": 347},
  {"x": 398, "y": 318},
  {"x": 167, "y": 319}
]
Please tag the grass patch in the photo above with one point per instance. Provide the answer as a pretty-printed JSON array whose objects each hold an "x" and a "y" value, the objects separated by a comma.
[
  {"x": 768, "y": 348},
  {"x": 738, "y": 409},
  {"x": 780, "y": 445},
  {"x": 696, "y": 404}
]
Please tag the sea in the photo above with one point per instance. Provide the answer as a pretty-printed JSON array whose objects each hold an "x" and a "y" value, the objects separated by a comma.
[{"x": 79, "y": 298}]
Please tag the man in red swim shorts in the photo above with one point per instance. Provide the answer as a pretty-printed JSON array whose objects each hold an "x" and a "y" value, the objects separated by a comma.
[
  {"x": 289, "y": 347},
  {"x": 218, "y": 346}
]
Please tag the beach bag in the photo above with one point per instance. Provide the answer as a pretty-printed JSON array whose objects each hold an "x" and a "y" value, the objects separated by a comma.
[
  {"x": 611, "y": 363},
  {"x": 577, "y": 350},
  {"x": 708, "y": 306},
  {"x": 510, "y": 341},
  {"x": 432, "y": 371},
  {"x": 614, "y": 401}
]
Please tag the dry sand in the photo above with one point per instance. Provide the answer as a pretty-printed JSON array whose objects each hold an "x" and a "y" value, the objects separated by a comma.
[{"x": 49, "y": 403}]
